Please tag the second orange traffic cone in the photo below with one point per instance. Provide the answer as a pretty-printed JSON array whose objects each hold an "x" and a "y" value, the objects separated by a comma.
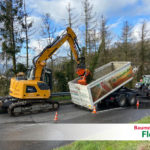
[
  {"x": 56, "y": 117},
  {"x": 94, "y": 110},
  {"x": 137, "y": 104}
]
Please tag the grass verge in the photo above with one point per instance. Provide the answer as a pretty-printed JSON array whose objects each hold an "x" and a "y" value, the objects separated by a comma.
[
  {"x": 107, "y": 145},
  {"x": 61, "y": 98},
  {"x": 110, "y": 145},
  {"x": 144, "y": 120}
]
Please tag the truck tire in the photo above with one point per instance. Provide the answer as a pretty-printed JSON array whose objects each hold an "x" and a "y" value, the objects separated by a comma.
[
  {"x": 121, "y": 100},
  {"x": 144, "y": 91},
  {"x": 131, "y": 99}
]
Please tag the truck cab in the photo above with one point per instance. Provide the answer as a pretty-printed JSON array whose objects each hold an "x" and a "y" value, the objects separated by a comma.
[{"x": 143, "y": 87}]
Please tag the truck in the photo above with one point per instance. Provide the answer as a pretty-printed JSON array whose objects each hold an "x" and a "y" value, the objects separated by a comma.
[
  {"x": 143, "y": 87},
  {"x": 106, "y": 87}
]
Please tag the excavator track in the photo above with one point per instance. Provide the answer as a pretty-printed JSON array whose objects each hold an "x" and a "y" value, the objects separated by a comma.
[
  {"x": 16, "y": 107},
  {"x": 25, "y": 107}
]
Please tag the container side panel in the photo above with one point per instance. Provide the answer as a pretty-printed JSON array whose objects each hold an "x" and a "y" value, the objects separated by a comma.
[
  {"x": 105, "y": 86},
  {"x": 80, "y": 95},
  {"x": 105, "y": 70}
]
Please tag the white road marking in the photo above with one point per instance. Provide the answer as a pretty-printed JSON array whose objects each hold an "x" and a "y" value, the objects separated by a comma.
[{"x": 119, "y": 108}]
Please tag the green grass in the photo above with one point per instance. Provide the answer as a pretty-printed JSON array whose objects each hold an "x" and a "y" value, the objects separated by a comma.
[
  {"x": 144, "y": 120},
  {"x": 110, "y": 145},
  {"x": 61, "y": 98},
  {"x": 107, "y": 145}
]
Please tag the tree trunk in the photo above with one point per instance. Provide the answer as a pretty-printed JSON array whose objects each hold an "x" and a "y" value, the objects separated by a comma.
[
  {"x": 26, "y": 36},
  {"x": 13, "y": 40}
]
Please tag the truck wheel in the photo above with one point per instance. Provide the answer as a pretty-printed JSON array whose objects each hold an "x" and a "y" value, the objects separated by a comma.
[
  {"x": 144, "y": 91},
  {"x": 121, "y": 100},
  {"x": 131, "y": 99}
]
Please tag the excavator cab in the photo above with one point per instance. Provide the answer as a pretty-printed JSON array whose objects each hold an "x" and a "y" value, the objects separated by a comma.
[
  {"x": 29, "y": 88},
  {"x": 47, "y": 77}
]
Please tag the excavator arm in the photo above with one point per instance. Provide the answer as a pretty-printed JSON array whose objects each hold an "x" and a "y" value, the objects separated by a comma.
[{"x": 40, "y": 60}]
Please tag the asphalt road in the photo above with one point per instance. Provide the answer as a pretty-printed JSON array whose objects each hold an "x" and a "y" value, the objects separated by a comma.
[{"x": 12, "y": 126}]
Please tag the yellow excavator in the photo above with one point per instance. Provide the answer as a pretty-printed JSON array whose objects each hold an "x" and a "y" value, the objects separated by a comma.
[{"x": 32, "y": 94}]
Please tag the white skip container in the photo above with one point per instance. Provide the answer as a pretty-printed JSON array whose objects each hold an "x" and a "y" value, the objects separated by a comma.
[{"x": 106, "y": 80}]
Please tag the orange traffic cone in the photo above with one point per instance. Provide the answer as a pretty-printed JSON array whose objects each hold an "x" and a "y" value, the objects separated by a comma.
[
  {"x": 137, "y": 104},
  {"x": 94, "y": 110},
  {"x": 56, "y": 117}
]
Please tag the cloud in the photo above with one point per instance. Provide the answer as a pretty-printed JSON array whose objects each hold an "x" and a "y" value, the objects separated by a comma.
[
  {"x": 36, "y": 26},
  {"x": 21, "y": 58},
  {"x": 112, "y": 7},
  {"x": 137, "y": 29},
  {"x": 57, "y": 8},
  {"x": 143, "y": 8},
  {"x": 58, "y": 11},
  {"x": 40, "y": 44},
  {"x": 116, "y": 24}
]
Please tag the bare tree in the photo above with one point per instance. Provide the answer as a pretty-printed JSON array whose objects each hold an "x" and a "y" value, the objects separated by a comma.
[
  {"x": 26, "y": 28},
  {"x": 48, "y": 31},
  {"x": 71, "y": 17},
  {"x": 94, "y": 40},
  {"x": 4, "y": 56},
  {"x": 143, "y": 47},
  {"x": 126, "y": 40},
  {"x": 89, "y": 22},
  {"x": 105, "y": 39},
  {"x": 71, "y": 22}
]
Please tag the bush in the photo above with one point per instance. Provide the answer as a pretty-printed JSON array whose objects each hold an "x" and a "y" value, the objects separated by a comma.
[
  {"x": 61, "y": 81},
  {"x": 4, "y": 86}
]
